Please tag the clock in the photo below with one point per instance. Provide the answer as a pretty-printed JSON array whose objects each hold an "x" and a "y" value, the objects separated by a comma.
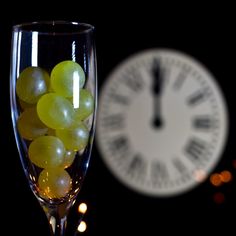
[{"x": 162, "y": 122}]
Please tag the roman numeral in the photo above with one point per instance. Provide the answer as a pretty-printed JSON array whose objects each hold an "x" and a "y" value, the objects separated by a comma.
[
  {"x": 118, "y": 98},
  {"x": 133, "y": 80},
  {"x": 195, "y": 149},
  {"x": 137, "y": 167},
  {"x": 115, "y": 121},
  {"x": 119, "y": 145},
  {"x": 179, "y": 165},
  {"x": 181, "y": 77},
  {"x": 203, "y": 122},
  {"x": 159, "y": 171},
  {"x": 196, "y": 98}
]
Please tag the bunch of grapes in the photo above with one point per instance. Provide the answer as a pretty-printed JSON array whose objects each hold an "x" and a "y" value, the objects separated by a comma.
[{"x": 52, "y": 120}]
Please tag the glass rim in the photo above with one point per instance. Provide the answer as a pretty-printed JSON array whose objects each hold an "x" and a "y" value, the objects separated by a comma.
[{"x": 34, "y": 26}]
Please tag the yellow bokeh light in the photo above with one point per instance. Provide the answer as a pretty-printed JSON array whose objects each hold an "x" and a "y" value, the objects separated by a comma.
[
  {"x": 82, "y": 208},
  {"x": 82, "y": 227}
]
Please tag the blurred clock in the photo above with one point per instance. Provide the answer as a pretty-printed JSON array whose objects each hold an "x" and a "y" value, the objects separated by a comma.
[{"x": 162, "y": 122}]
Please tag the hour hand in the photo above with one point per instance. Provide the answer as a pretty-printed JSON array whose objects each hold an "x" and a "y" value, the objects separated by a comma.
[
  {"x": 157, "y": 78},
  {"x": 156, "y": 88}
]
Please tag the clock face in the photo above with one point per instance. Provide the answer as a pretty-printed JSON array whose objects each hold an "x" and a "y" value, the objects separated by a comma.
[{"x": 162, "y": 122}]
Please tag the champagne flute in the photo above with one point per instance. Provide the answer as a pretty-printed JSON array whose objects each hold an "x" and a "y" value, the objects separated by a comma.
[{"x": 53, "y": 93}]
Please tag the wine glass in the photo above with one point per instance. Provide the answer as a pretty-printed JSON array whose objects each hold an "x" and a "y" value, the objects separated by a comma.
[{"x": 53, "y": 93}]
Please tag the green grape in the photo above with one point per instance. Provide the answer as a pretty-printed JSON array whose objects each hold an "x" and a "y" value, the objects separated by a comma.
[
  {"x": 75, "y": 137},
  {"x": 55, "y": 111},
  {"x": 66, "y": 77},
  {"x": 29, "y": 125},
  {"x": 32, "y": 83},
  {"x": 54, "y": 183},
  {"x": 68, "y": 159},
  {"x": 47, "y": 151},
  {"x": 86, "y": 105}
]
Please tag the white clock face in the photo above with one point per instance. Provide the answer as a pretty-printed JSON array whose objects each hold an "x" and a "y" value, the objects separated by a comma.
[{"x": 162, "y": 122}]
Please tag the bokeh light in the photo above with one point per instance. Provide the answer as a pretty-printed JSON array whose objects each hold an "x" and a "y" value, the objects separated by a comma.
[
  {"x": 226, "y": 176},
  {"x": 82, "y": 208},
  {"x": 215, "y": 179},
  {"x": 234, "y": 164},
  {"x": 82, "y": 227},
  {"x": 219, "y": 198}
]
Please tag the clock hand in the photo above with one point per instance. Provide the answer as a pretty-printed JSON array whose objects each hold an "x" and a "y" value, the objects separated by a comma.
[{"x": 157, "y": 87}]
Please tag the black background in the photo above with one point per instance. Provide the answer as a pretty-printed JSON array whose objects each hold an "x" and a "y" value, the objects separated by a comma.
[{"x": 205, "y": 32}]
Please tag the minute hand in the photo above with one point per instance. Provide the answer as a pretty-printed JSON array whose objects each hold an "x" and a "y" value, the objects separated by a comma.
[{"x": 157, "y": 86}]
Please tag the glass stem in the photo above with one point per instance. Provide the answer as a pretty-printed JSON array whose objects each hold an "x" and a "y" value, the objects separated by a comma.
[
  {"x": 57, "y": 218},
  {"x": 57, "y": 225}
]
